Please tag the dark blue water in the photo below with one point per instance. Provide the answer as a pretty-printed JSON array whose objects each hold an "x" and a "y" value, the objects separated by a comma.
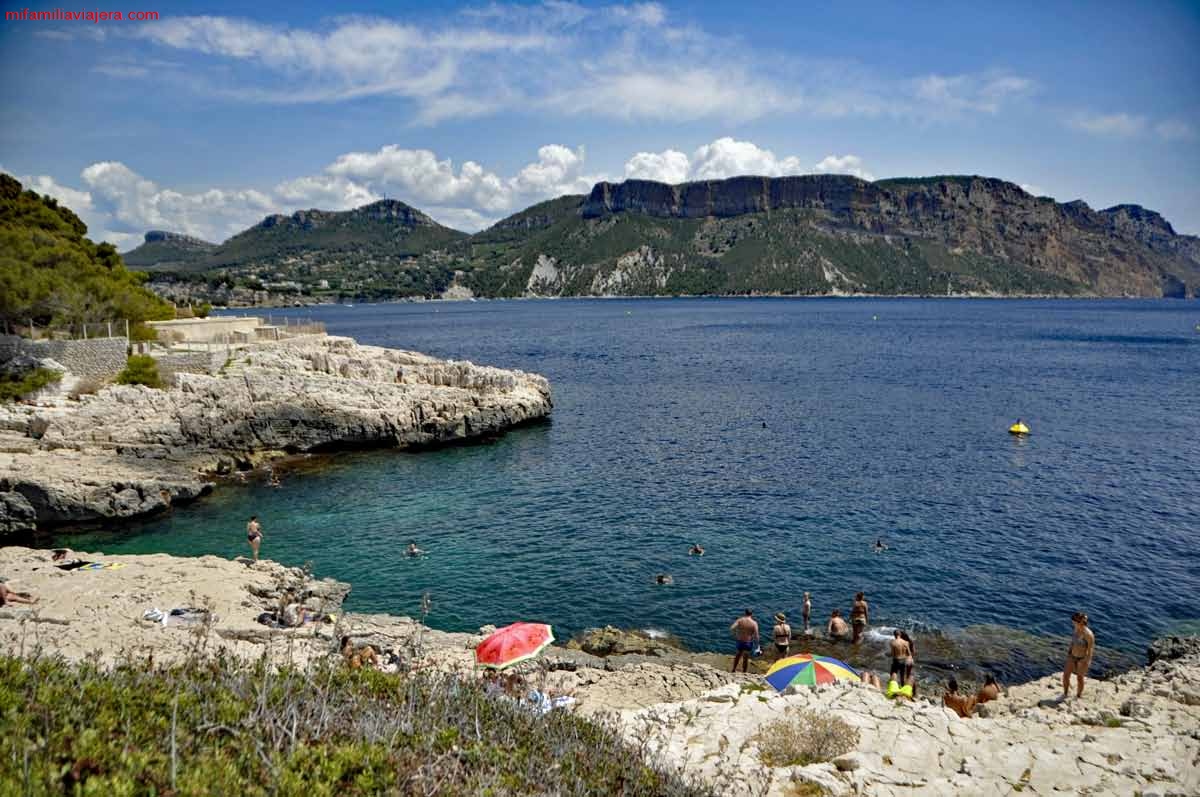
[{"x": 883, "y": 418}]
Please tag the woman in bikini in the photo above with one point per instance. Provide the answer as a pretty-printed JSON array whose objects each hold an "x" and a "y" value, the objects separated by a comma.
[
  {"x": 1079, "y": 655},
  {"x": 254, "y": 535}
]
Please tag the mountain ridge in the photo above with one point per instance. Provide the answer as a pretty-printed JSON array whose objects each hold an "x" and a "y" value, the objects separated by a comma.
[{"x": 803, "y": 234}]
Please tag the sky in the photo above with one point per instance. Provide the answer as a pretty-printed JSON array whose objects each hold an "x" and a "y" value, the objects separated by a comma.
[{"x": 215, "y": 115}]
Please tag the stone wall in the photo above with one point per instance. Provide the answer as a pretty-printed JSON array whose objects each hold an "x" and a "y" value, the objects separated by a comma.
[
  {"x": 99, "y": 357},
  {"x": 216, "y": 328},
  {"x": 191, "y": 362}
]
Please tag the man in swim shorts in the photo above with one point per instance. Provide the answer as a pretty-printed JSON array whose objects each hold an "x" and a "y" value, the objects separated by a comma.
[
  {"x": 900, "y": 651},
  {"x": 745, "y": 632},
  {"x": 860, "y": 616},
  {"x": 254, "y": 535},
  {"x": 1079, "y": 655}
]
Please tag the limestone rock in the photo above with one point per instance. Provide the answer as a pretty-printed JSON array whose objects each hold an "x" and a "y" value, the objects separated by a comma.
[
  {"x": 610, "y": 641},
  {"x": 1170, "y": 648},
  {"x": 134, "y": 451}
]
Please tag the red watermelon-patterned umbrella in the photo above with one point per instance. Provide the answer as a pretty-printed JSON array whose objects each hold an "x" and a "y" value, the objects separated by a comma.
[{"x": 513, "y": 644}]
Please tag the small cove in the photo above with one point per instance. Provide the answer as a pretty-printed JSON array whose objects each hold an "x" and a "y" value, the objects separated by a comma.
[{"x": 786, "y": 436}]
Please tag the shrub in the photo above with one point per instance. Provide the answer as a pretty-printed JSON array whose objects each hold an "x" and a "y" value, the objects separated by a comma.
[
  {"x": 13, "y": 387},
  {"x": 803, "y": 738},
  {"x": 202, "y": 310},
  {"x": 140, "y": 332},
  {"x": 140, "y": 369},
  {"x": 218, "y": 726},
  {"x": 86, "y": 386}
]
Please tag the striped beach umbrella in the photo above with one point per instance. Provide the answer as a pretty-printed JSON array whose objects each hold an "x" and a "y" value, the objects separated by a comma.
[
  {"x": 513, "y": 644},
  {"x": 809, "y": 670}
]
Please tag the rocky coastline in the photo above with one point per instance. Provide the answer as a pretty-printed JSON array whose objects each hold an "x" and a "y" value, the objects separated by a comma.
[
  {"x": 129, "y": 451},
  {"x": 1135, "y": 733}
]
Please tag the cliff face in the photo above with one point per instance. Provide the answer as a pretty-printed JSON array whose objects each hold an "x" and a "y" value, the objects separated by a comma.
[
  {"x": 811, "y": 234},
  {"x": 1124, "y": 250}
]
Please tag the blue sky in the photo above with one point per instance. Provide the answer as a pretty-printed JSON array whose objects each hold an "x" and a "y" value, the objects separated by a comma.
[{"x": 218, "y": 114}]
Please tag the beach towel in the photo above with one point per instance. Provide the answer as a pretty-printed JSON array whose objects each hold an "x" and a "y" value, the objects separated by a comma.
[
  {"x": 181, "y": 616},
  {"x": 79, "y": 564}
]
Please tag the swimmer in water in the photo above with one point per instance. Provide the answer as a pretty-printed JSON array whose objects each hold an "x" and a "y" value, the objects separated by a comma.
[
  {"x": 696, "y": 550},
  {"x": 413, "y": 550},
  {"x": 663, "y": 578},
  {"x": 879, "y": 546}
]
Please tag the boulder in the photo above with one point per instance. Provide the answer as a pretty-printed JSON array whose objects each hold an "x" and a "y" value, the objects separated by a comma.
[
  {"x": 610, "y": 641},
  {"x": 1170, "y": 648}
]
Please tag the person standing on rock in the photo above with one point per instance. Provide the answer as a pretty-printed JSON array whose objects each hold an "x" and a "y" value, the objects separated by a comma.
[
  {"x": 1079, "y": 655},
  {"x": 806, "y": 613},
  {"x": 254, "y": 535},
  {"x": 782, "y": 635},
  {"x": 745, "y": 631},
  {"x": 900, "y": 653},
  {"x": 860, "y": 616}
]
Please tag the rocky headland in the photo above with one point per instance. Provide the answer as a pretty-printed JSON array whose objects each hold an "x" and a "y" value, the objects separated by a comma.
[
  {"x": 131, "y": 450},
  {"x": 1135, "y": 733}
]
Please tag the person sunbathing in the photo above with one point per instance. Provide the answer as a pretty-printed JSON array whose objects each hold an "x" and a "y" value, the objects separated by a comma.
[
  {"x": 962, "y": 705},
  {"x": 358, "y": 658},
  {"x": 8, "y": 596},
  {"x": 989, "y": 691}
]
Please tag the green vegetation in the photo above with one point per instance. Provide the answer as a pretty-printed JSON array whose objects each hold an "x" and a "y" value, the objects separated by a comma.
[
  {"x": 13, "y": 387},
  {"x": 163, "y": 250},
  {"x": 53, "y": 275},
  {"x": 213, "y": 726},
  {"x": 140, "y": 369},
  {"x": 902, "y": 236},
  {"x": 805, "y": 737}
]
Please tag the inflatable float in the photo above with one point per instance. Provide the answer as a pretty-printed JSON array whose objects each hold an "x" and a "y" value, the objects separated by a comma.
[{"x": 1018, "y": 428}]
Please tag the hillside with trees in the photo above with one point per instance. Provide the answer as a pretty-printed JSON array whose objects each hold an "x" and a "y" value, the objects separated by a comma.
[{"x": 52, "y": 275}]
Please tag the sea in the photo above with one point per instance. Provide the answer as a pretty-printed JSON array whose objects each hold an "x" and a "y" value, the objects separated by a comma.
[{"x": 786, "y": 436}]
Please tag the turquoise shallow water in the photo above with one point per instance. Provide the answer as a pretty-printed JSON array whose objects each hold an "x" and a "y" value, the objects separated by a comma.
[{"x": 883, "y": 418}]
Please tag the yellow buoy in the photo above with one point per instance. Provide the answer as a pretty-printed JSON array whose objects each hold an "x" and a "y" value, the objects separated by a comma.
[{"x": 1018, "y": 428}]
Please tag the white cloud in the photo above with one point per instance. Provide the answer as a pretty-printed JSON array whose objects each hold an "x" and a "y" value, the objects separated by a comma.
[
  {"x": 843, "y": 164},
  {"x": 119, "y": 205},
  {"x": 1120, "y": 125},
  {"x": 729, "y": 157},
  {"x": 1174, "y": 130},
  {"x": 326, "y": 192},
  {"x": 80, "y": 202},
  {"x": 1034, "y": 190},
  {"x": 676, "y": 93},
  {"x": 986, "y": 93},
  {"x": 668, "y": 166},
  {"x": 419, "y": 174},
  {"x": 625, "y": 61}
]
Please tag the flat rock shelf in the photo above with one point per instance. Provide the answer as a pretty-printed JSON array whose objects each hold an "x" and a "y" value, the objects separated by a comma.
[{"x": 129, "y": 450}]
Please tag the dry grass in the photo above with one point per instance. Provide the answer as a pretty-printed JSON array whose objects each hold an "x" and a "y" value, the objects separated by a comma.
[{"x": 805, "y": 737}]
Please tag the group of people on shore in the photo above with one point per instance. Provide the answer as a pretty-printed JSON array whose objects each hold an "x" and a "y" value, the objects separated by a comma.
[
  {"x": 746, "y": 633},
  {"x": 903, "y": 650}
]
